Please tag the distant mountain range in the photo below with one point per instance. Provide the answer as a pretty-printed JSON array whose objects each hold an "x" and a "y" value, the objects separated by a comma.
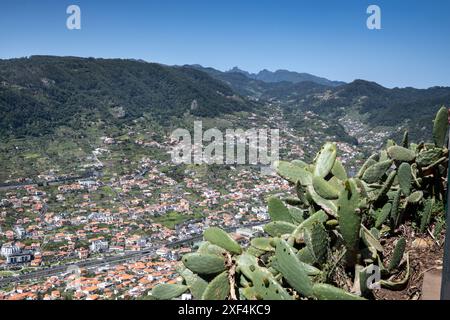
[
  {"x": 41, "y": 93},
  {"x": 258, "y": 85},
  {"x": 381, "y": 106},
  {"x": 286, "y": 76}
]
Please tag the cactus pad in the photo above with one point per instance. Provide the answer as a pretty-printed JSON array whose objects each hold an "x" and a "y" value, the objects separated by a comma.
[
  {"x": 218, "y": 288},
  {"x": 325, "y": 160},
  {"x": 293, "y": 173},
  {"x": 405, "y": 178},
  {"x": 323, "y": 291},
  {"x": 349, "y": 217},
  {"x": 374, "y": 173},
  {"x": 440, "y": 127},
  {"x": 167, "y": 291},
  {"x": 278, "y": 210},
  {"x": 292, "y": 269},
  {"x": 397, "y": 256},
  {"x": 204, "y": 263},
  {"x": 278, "y": 228},
  {"x": 324, "y": 189},
  {"x": 222, "y": 239},
  {"x": 398, "y": 153}
]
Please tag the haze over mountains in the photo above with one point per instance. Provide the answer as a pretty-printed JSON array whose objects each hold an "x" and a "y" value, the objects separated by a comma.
[
  {"x": 286, "y": 75},
  {"x": 379, "y": 106},
  {"x": 40, "y": 93}
]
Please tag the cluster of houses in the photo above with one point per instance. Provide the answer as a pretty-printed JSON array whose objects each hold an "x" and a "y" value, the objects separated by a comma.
[
  {"x": 126, "y": 280},
  {"x": 94, "y": 217}
]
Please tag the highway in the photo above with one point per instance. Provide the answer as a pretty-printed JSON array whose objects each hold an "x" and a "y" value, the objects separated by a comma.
[
  {"x": 108, "y": 260},
  {"x": 57, "y": 180}
]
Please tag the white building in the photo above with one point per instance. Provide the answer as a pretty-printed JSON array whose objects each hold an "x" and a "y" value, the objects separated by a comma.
[
  {"x": 9, "y": 249},
  {"x": 99, "y": 246}
]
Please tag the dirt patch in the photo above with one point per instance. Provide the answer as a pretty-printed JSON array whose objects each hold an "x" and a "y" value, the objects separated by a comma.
[{"x": 425, "y": 254}]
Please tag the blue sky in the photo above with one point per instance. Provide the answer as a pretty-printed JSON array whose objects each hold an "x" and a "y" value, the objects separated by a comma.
[{"x": 325, "y": 38}]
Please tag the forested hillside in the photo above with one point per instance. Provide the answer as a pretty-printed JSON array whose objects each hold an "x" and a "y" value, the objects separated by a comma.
[{"x": 40, "y": 93}]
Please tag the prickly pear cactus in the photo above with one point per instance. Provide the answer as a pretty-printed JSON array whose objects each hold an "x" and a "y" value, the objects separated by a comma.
[
  {"x": 329, "y": 237},
  {"x": 324, "y": 189},
  {"x": 440, "y": 127},
  {"x": 401, "y": 154},
  {"x": 278, "y": 210},
  {"x": 405, "y": 178},
  {"x": 376, "y": 171},
  {"x": 349, "y": 217},
  {"x": 220, "y": 238},
  {"x": 204, "y": 263},
  {"x": 167, "y": 291},
  {"x": 398, "y": 254},
  {"x": 325, "y": 160},
  {"x": 218, "y": 288}
]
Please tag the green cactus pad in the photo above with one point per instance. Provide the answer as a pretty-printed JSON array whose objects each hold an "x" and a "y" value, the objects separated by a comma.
[
  {"x": 301, "y": 193},
  {"x": 349, "y": 217},
  {"x": 297, "y": 215},
  {"x": 369, "y": 162},
  {"x": 168, "y": 291},
  {"x": 292, "y": 269},
  {"x": 376, "y": 233},
  {"x": 316, "y": 239},
  {"x": 325, "y": 160},
  {"x": 398, "y": 285},
  {"x": 255, "y": 251},
  {"x": 386, "y": 186},
  {"x": 278, "y": 228},
  {"x": 218, "y": 288},
  {"x": 405, "y": 140},
  {"x": 415, "y": 197},
  {"x": 398, "y": 153},
  {"x": 299, "y": 163},
  {"x": 426, "y": 215},
  {"x": 440, "y": 127},
  {"x": 374, "y": 173},
  {"x": 428, "y": 157},
  {"x": 207, "y": 247},
  {"x": 265, "y": 286},
  {"x": 338, "y": 170},
  {"x": 324, "y": 189},
  {"x": 397, "y": 256},
  {"x": 405, "y": 178},
  {"x": 395, "y": 211},
  {"x": 361, "y": 277},
  {"x": 384, "y": 155},
  {"x": 383, "y": 215},
  {"x": 293, "y": 173},
  {"x": 222, "y": 239},
  {"x": 318, "y": 217},
  {"x": 306, "y": 256},
  {"x": 278, "y": 210},
  {"x": 390, "y": 143},
  {"x": 204, "y": 263},
  {"x": 248, "y": 293},
  {"x": 323, "y": 291},
  {"x": 293, "y": 201},
  {"x": 327, "y": 205},
  {"x": 369, "y": 239},
  {"x": 196, "y": 284},
  {"x": 262, "y": 244},
  {"x": 336, "y": 184}
]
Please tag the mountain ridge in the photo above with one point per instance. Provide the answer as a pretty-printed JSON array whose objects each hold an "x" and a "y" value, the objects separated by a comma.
[
  {"x": 40, "y": 93},
  {"x": 283, "y": 75}
]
